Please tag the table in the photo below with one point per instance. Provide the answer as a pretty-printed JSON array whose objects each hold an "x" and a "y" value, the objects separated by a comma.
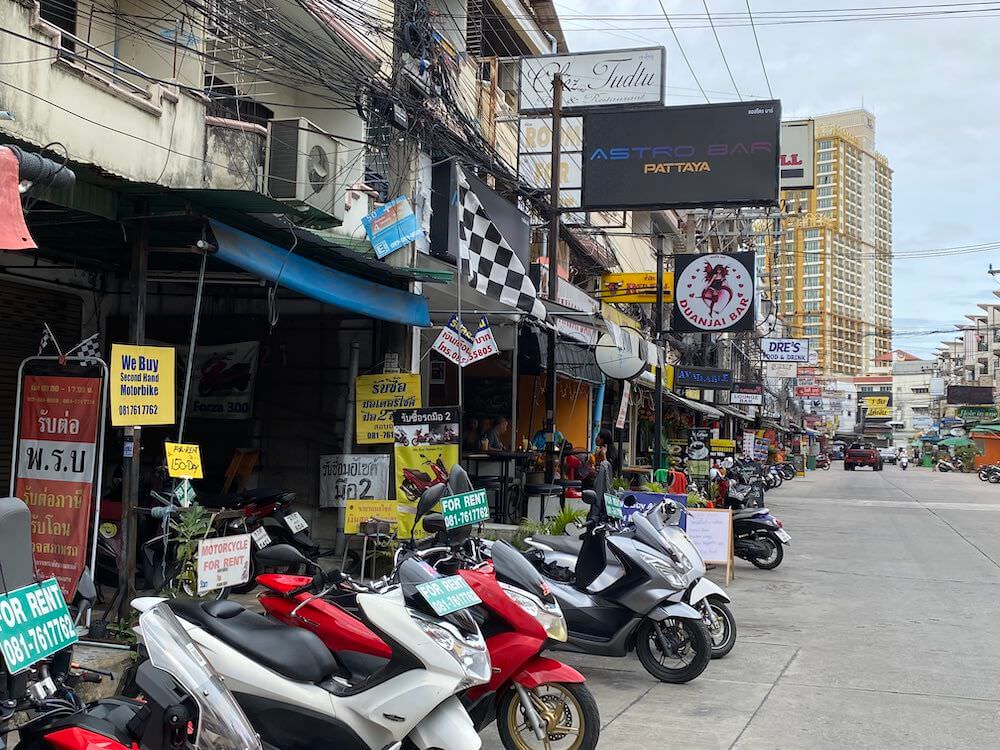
[{"x": 504, "y": 458}]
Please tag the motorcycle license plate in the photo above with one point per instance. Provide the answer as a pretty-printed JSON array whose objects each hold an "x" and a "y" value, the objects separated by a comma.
[
  {"x": 783, "y": 535},
  {"x": 260, "y": 537},
  {"x": 296, "y": 522}
]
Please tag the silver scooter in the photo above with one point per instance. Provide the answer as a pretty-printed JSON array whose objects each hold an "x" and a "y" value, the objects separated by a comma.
[{"x": 704, "y": 595}]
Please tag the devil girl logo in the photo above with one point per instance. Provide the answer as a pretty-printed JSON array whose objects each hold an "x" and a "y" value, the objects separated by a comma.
[{"x": 713, "y": 292}]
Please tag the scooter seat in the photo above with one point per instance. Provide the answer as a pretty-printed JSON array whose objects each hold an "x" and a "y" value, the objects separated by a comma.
[
  {"x": 559, "y": 542},
  {"x": 242, "y": 499},
  {"x": 293, "y": 652},
  {"x": 749, "y": 512}
]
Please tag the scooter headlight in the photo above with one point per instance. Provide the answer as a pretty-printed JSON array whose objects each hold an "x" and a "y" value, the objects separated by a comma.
[
  {"x": 469, "y": 651},
  {"x": 549, "y": 616},
  {"x": 675, "y": 577}
]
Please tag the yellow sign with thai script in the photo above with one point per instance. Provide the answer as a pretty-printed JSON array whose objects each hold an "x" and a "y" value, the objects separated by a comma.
[
  {"x": 376, "y": 397},
  {"x": 635, "y": 287},
  {"x": 359, "y": 511},
  {"x": 142, "y": 385},
  {"x": 877, "y": 407}
]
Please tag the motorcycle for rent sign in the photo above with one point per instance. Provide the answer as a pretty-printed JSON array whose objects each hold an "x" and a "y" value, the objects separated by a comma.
[
  {"x": 57, "y": 461},
  {"x": 223, "y": 562},
  {"x": 34, "y": 624},
  {"x": 427, "y": 443},
  {"x": 352, "y": 476}
]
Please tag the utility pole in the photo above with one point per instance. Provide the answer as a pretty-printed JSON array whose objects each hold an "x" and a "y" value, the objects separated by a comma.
[
  {"x": 132, "y": 459},
  {"x": 553, "y": 247},
  {"x": 658, "y": 394}
]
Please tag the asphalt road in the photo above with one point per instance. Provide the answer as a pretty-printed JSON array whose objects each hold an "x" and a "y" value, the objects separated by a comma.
[{"x": 881, "y": 629}]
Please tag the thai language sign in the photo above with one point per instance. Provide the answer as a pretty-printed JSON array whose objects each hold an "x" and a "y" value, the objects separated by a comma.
[
  {"x": 391, "y": 226},
  {"x": 34, "y": 624},
  {"x": 358, "y": 511},
  {"x": 461, "y": 346},
  {"x": 353, "y": 476},
  {"x": 376, "y": 398},
  {"x": 142, "y": 385},
  {"x": 635, "y": 287},
  {"x": 55, "y": 471},
  {"x": 785, "y": 350},
  {"x": 427, "y": 442}
]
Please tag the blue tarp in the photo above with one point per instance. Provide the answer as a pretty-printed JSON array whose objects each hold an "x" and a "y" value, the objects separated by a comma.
[{"x": 342, "y": 290}]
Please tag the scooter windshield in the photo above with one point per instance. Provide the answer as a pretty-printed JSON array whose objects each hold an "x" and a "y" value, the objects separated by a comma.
[
  {"x": 222, "y": 725},
  {"x": 413, "y": 571},
  {"x": 511, "y": 567}
]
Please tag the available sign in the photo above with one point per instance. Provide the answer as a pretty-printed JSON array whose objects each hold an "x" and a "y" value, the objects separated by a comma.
[
  {"x": 183, "y": 460},
  {"x": 223, "y": 562},
  {"x": 461, "y": 346},
  {"x": 353, "y": 476},
  {"x": 702, "y": 377},
  {"x": 465, "y": 509},
  {"x": 713, "y": 292},
  {"x": 635, "y": 287},
  {"x": 594, "y": 79},
  {"x": 142, "y": 385},
  {"x": 391, "y": 226},
  {"x": 447, "y": 595},
  {"x": 747, "y": 393},
  {"x": 376, "y": 398},
  {"x": 56, "y": 465},
  {"x": 682, "y": 157},
  {"x": 785, "y": 350},
  {"x": 34, "y": 624}
]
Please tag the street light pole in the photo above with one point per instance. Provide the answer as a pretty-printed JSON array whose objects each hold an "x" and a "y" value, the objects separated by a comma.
[{"x": 553, "y": 247}]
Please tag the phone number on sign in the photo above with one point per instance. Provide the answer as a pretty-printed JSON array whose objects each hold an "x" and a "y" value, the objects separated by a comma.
[
  {"x": 135, "y": 410},
  {"x": 37, "y": 639}
]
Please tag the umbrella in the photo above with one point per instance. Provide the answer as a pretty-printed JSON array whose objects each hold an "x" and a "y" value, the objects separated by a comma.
[{"x": 957, "y": 442}]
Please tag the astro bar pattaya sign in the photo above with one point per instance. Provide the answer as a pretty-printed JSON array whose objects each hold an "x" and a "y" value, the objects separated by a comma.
[{"x": 682, "y": 157}]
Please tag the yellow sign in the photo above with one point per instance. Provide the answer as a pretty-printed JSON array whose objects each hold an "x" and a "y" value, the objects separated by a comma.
[
  {"x": 142, "y": 385},
  {"x": 183, "y": 461},
  {"x": 875, "y": 402},
  {"x": 877, "y": 412},
  {"x": 376, "y": 398},
  {"x": 723, "y": 444},
  {"x": 635, "y": 287},
  {"x": 359, "y": 511}
]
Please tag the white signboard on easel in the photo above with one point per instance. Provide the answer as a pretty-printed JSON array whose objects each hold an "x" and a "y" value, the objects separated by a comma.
[{"x": 711, "y": 531}]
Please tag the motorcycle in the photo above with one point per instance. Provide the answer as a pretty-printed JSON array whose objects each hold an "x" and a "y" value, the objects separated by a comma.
[
  {"x": 988, "y": 472},
  {"x": 945, "y": 465},
  {"x": 758, "y": 537},
  {"x": 823, "y": 462},
  {"x": 301, "y": 695},
  {"x": 416, "y": 482},
  {"x": 702, "y": 594},
  {"x": 635, "y": 604},
  {"x": 773, "y": 478},
  {"x": 903, "y": 462},
  {"x": 217, "y": 377}
]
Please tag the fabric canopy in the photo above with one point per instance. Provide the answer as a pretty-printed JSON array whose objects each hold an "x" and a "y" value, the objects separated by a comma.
[
  {"x": 694, "y": 405},
  {"x": 572, "y": 360},
  {"x": 315, "y": 280}
]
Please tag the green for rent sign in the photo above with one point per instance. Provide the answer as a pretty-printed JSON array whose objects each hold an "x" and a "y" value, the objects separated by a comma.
[
  {"x": 613, "y": 505},
  {"x": 465, "y": 508},
  {"x": 34, "y": 624},
  {"x": 447, "y": 595}
]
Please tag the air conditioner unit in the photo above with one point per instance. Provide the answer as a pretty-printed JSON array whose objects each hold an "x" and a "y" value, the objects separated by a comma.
[{"x": 302, "y": 168}]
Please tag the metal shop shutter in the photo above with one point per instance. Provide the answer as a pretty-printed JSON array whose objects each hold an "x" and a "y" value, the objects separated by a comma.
[{"x": 23, "y": 310}]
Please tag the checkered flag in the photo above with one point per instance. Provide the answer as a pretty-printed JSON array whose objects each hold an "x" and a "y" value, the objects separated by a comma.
[
  {"x": 89, "y": 348},
  {"x": 48, "y": 339},
  {"x": 494, "y": 269}
]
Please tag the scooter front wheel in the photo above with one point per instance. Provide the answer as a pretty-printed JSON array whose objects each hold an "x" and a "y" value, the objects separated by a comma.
[
  {"x": 675, "y": 650},
  {"x": 723, "y": 634},
  {"x": 568, "y": 717}
]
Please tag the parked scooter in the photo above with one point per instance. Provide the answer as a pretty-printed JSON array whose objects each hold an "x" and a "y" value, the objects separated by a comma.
[
  {"x": 823, "y": 462},
  {"x": 758, "y": 537},
  {"x": 638, "y": 603},
  {"x": 702, "y": 594},
  {"x": 950, "y": 464},
  {"x": 300, "y": 695}
]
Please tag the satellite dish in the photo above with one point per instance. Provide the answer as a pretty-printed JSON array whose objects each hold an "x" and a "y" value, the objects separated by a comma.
[{"x": 622, "y": 363}]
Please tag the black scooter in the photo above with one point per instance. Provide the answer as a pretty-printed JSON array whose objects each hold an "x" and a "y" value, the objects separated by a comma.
[{"x": 758, "y": 537}]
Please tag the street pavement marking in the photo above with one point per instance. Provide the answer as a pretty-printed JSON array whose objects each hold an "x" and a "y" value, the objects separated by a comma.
[{"x": 862, "y": 503}]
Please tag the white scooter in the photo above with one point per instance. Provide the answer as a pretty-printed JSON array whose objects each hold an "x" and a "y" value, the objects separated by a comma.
[
  {"x": 287, "y": 680},
  {"x": 903, "y": 462},
  {"x": 704, "y": 595}
]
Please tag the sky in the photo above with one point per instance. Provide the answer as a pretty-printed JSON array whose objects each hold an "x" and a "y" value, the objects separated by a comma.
[{"x": 933, "y": 86}]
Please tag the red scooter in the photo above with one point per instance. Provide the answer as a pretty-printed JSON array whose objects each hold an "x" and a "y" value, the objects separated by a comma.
[{"x": 535, "y": 700}]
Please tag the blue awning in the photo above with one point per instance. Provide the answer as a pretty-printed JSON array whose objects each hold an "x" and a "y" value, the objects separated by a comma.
[{"x": 342, "y": 290}]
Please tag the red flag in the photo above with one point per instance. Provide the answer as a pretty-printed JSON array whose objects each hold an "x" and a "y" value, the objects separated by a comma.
[{"x": 14, "y": 234}]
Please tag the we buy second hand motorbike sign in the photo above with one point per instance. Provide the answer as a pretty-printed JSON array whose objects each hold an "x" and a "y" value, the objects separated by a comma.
[{"x": 426, "y": 447}]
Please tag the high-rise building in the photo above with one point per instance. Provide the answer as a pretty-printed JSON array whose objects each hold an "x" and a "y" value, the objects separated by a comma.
[{"x": 831, "y": 272}]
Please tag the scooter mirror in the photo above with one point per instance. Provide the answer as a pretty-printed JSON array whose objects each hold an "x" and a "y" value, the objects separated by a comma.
[
  {"x": 85, "y": 589},
  {"x": 589, "y": 497},
  {"x": 431, "y": 497},
  {"x": 433, "y": 523},
  {"x": 282, "y": 554},
  {"x": 629, "y": 501}
]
